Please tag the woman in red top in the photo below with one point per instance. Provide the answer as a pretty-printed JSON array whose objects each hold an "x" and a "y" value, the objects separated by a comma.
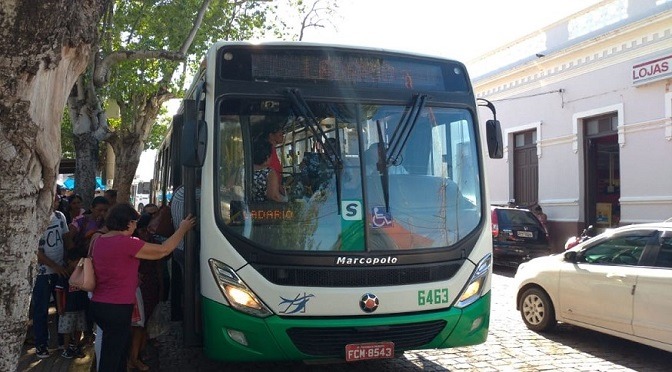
[
  {"x": 116, "y": 258},
  {"x": 276, "y": 136}
]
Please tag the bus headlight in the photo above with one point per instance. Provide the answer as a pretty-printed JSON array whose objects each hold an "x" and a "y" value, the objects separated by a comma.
[
  {"x": 474, "y": 289},
  {"x": 239, "y": 295}
]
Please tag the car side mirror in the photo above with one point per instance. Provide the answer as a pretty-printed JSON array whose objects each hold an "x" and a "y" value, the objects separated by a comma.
[{"x": 571, "y": 256}]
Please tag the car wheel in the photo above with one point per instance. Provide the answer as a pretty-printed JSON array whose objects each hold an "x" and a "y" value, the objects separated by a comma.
[{"x": 537, "y": 310}]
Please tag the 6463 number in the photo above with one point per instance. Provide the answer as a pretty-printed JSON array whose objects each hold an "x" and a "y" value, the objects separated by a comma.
[{"x": 433, "y": 296}]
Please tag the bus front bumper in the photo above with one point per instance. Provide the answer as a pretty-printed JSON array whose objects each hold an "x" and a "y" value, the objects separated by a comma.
[{"x": 225, "y": 332}]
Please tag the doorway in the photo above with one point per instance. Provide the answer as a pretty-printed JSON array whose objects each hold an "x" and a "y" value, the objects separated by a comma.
[
  {"x": 603, "y": 185},
  {"x": 525, "y": 168}
]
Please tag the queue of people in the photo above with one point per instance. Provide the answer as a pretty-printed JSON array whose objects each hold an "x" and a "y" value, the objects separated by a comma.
[
  {"x": 126, "y": 262},
  {"x": 63, "y": 243}
]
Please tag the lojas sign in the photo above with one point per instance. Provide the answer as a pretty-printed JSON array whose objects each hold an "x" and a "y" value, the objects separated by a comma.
[{"x": 652, "y": 70}]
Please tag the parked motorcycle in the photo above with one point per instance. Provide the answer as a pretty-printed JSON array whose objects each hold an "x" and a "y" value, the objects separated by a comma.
[{"x": 586, "y": 234}]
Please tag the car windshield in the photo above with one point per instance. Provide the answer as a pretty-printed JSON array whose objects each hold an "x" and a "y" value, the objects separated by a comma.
[{"x": 339, "y": 192}]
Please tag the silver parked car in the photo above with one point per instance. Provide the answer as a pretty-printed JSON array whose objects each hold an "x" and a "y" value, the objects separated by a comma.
[{"x": 618, "y": 283}]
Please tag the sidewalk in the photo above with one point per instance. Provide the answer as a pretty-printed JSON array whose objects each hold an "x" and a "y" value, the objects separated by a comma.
[{"x": 55, "y": 363}]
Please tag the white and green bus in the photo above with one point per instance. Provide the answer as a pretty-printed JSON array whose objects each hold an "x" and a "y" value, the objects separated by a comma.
[{"x": 382, "y": 241}]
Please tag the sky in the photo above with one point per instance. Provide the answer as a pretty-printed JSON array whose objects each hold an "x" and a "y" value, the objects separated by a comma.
[{"x": 459, "y": 29}]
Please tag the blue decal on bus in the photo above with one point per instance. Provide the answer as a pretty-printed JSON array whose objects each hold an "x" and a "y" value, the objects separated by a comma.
[
  {"x": 295, "y": 305},
  {"x": 380, "y": 218}
]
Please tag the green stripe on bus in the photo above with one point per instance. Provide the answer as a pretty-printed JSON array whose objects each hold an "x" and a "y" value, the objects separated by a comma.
[{"x": 268, "y": 340}]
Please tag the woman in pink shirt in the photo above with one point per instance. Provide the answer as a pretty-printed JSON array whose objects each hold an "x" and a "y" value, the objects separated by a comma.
[{"x": 116, "y": 257}]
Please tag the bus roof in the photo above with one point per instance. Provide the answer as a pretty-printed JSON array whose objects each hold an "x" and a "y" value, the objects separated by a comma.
[{"x": 305, "y": 44}]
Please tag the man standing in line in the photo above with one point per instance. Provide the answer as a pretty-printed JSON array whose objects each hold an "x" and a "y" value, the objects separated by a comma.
[{"x": 50, "y": 253}]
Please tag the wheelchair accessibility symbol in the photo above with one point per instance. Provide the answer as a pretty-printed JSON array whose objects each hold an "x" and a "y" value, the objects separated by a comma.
[{"x": 380, "y": 218}]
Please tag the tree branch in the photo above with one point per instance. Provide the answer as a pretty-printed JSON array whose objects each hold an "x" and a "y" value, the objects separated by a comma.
[
  {"x": 100, "y": 75},
  {"x": 197, "y": 24}
]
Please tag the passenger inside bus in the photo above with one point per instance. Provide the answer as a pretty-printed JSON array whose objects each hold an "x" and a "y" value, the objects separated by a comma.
[
  {"x": 317, "y": 167},
  {"x": 272, "y": 130},
  {"x": 265, "y": 183},
  {"x": 371, "y": 161}
]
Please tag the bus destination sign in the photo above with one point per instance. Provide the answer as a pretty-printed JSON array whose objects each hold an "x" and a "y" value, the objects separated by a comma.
[
  {"x": 352, "y": 69},
  {"x": 261, "y": 213},
  {"x": 360, "y": 69}
]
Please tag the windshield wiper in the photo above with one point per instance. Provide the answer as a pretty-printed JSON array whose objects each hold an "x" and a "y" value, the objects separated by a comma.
[
  {"x": 311, "y": 123},
  {"x": 382, "y": 167},
  {"x": 404, "y": 128}
]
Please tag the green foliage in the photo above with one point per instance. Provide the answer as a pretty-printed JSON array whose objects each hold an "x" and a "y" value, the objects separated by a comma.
[
  {"x": 158, "y": 132},
  {"x": 154, "y": 25},
  {"x": 114, "y": 123},
  {"x": 146, "y": 25}
]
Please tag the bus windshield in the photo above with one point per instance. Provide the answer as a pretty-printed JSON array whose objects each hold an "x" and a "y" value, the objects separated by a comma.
[{"x": 342, "y": 190}]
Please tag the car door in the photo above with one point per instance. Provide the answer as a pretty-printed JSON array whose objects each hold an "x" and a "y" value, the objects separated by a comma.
[
  {"x": 653, "y": 295},
  {"x": 598, "y": 289}
]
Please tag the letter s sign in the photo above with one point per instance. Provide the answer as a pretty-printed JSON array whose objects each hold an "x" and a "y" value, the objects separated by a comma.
[{"x": 351, "y": 210}]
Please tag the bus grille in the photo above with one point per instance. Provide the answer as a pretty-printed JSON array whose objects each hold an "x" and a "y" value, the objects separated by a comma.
[
  {"x": 358, "y": 277},
  {"x": 331, "y": 341}
]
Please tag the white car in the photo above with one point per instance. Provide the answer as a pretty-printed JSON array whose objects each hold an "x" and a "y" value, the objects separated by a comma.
[{"x": 618, "y": 283}]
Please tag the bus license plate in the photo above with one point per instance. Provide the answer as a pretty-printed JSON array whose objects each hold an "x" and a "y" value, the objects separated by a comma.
[
  {"x": 525, "y": 234},
  {"x": 372, "y": 350}
]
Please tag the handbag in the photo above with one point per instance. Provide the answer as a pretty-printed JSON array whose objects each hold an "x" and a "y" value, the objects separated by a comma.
[{"x": 83, "y": 276}]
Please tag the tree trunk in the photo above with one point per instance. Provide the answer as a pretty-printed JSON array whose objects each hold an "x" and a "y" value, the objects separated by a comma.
[
  {"x": 89, "y": 126},
  {"x": 86, "y": 161},
  {"x": 127, "y": 151},
  {"x": 44, "y": 46},
  {"x": 129, "y": 142}
]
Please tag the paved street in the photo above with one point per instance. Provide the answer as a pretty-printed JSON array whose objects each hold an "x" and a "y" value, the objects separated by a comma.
[{"x": 510, "y": 347}]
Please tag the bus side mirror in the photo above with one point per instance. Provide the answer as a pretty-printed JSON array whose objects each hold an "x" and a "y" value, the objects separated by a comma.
[
  {"x": 493, "y": 135},
  {"x": 194, "y": 136}
]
